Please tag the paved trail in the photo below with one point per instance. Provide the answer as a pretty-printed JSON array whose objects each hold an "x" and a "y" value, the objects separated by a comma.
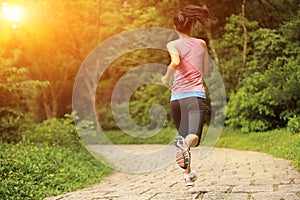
[{"x": 224, "y": 174}]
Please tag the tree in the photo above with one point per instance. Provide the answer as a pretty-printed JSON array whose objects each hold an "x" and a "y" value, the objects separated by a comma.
[
  {"x": 269, "y": 95},
  {"x": 271, "y": 14},
  {"x": 231, "y": 49},
  {"x": 17, "y": 90},
  {"x": 245, "y": 38},
  {"x": 59, "y": 36}
]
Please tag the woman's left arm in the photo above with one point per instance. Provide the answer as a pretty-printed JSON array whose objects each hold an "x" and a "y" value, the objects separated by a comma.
[{"x": 205, "y": 67}]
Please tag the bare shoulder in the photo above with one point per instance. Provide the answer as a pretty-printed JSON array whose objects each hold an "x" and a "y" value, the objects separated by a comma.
[
  {"x": 172, "y": 47},
  {"x": 203, "y": 43},
  {"x": 172, "y": 44}
]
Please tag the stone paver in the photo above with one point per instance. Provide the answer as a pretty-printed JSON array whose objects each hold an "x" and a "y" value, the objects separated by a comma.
[{"x": 224, "y": 174}]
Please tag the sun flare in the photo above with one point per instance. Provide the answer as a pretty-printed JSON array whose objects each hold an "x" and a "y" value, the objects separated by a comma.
[{"x": 12, "y": 13}]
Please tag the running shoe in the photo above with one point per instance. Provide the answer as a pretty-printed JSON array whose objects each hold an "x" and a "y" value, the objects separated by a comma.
[
  {"x": 190, "y": 178},
  {"x": 183, "y": 152}
]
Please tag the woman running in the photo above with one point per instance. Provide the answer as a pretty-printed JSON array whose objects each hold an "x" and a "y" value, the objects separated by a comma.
[{"x": 189, "y": 62}]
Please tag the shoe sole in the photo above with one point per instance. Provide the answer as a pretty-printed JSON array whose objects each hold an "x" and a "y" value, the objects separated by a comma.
[{"x": 183, "y": 154}]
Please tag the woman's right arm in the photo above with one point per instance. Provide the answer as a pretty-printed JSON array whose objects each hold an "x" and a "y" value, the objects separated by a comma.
[{"x": 175, "y": 60}]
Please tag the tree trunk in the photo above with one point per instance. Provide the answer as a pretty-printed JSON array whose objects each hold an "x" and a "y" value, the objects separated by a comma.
[
  {"x": 50, "y": 98},
  {"x": 245, "y": 42},
  {"x": 54, "y": 101},
  {"x": 262, "y": 8},
  {"x": 211, "y": 43},
  {"x": 46, "y": 105},
  {"x": 210, "y": 38}
]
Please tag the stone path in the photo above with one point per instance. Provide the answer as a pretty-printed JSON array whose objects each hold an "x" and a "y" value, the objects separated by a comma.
[{"x": 224, "y": 174}]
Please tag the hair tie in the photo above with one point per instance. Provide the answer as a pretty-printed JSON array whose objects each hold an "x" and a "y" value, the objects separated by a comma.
[{"x": 181, "y": 17}]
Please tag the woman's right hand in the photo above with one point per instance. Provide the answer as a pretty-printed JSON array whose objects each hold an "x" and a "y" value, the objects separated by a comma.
[{"x": 165, "y": 80}]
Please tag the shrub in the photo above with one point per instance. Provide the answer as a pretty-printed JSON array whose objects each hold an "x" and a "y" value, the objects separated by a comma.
[
  {"x": 35, "y": 171},
  {"x": 294, "y": 124},
  {"x": 141, "y": 106},
  {"x": 17, "y": 92},
  {"x": 267, "y": 98},
  {"x": 52, "y": 131}
]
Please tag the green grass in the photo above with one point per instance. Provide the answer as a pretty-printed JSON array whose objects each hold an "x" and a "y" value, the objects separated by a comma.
[
  {"x": 164, "y": 136},
  {"x": 278, "y": 143},
  {"x": 34, "y": 171}
]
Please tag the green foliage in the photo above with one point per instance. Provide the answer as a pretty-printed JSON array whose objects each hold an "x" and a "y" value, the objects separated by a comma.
[
  {"x": 144, "y": 98},
  {"x": 240, "y": 112},
  {"x": 271, "y": 14},
  {"x": 17, "y": 91},
  {"x": 55, "y": 37},
  {"x": 267, "y": 99},
  {"x": 147, "y": 14},
  {"x": 139, "y": 107},
  {"x": 230, "y": 50},
  {"x": 269, "y": 93},
  {"x": 10, "y": 121},
  {"x": 52, "y": 40},
  {"x": 35, "y": 171},
  {"x": 52, "y": 131},
  {"x": 106, "y": 119},
  {"x": 294, "y": 124}
]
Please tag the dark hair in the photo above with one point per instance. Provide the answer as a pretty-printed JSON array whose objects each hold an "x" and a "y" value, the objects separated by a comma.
[{"x": 190, "y": 14}]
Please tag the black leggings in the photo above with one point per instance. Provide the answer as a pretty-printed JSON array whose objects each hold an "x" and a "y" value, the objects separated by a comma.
[{"x": 188, "y": 115}]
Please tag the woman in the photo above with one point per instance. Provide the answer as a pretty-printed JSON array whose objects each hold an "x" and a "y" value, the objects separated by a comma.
[{"x": 189, "y": 62}]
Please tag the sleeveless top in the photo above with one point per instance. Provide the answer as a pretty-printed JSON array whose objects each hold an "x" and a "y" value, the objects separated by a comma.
[{"x": 188, "y": 79}]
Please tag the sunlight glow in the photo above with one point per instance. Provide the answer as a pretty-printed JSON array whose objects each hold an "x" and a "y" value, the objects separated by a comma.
[{"x": 12, "y": 13}]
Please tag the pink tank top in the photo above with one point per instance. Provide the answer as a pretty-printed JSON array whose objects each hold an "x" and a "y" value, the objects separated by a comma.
[{"x": 187, "y": 77}]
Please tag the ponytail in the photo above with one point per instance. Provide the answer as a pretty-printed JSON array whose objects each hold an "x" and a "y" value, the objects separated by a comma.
[{"x": 190, "y": 14}]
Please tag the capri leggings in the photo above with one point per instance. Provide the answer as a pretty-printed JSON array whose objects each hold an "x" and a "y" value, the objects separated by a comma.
[{"x": 188, "y": 115}]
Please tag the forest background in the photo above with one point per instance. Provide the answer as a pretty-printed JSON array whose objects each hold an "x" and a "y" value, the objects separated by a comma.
[{"x": 255, "y": 45}]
